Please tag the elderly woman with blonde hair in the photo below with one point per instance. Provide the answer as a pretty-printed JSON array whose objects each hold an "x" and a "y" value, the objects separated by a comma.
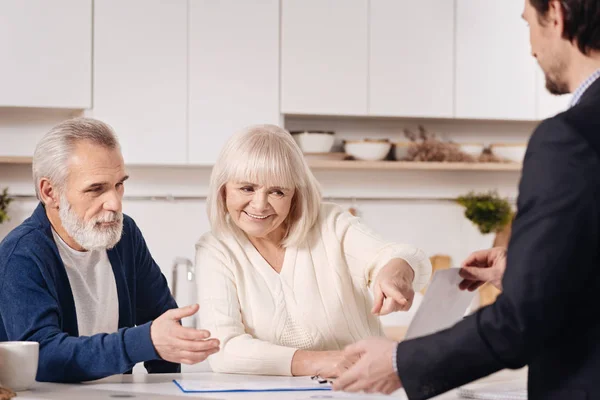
[{"x": 283, "y": 279}]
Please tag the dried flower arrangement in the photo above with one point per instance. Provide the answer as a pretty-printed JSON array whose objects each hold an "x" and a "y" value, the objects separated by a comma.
[
  {"x": 488, "y": 156},
  {"x": 427, "y": 147}
]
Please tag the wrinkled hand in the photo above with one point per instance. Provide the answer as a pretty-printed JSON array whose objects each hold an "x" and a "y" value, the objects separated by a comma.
[
  {"x": 483, "y": 266},
  {"x": 6, "y": 393},
  {"x": 393, "y": 289},
  {"x": 178, "y": 344},
  {"x": 332, "y": 364},
  {"x": 373, "y": 372}
]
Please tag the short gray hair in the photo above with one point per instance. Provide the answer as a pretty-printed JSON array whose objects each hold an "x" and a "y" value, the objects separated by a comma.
[
  {"x": 266, "y": 155},
  {"x": 51, "y": 156}
]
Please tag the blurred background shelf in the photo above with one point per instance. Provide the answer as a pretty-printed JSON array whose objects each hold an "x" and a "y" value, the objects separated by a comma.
[
  {"x": 15, "y": 160},
  {"x": 369, "y": 165},
  {"x": 410, "y": 165}
]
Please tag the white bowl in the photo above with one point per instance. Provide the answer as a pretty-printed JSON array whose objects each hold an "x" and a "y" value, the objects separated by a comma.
[
  {"x": 472, "y": 149},
  {"x": 511, "y": 152},
  {"x": 401, "y": 150},
  {"x": 314, "y": 142},
  {"x": 367, "y": 150}
]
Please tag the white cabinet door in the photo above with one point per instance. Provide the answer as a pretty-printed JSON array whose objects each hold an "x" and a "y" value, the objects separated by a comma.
[
  {"x": 324, "y": 57},
  {"x": 411, "y": 70},
  {"x": 234, "y": 71},
  {"x": 140, "y": 77},
  {"x": 495, "y": 73},
  {"x": 46, "y": 51},
  {"x": 548, "y": 105}
]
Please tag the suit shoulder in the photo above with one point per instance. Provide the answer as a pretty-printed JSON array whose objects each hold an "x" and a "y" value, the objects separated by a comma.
[
  {"x": 558, "y": 133},
  {"x": 554, "y": 127},
  {"x": 559, "y": 152}
]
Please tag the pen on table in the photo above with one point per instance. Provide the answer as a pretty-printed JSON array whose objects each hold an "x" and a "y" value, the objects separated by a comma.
[{"x": 321, "y": 380}]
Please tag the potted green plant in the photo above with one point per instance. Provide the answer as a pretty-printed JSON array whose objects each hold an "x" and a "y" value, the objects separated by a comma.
[
  {"x": 491, "y": 214},
  {"x": 5, "y": 200},
  {"x": 488, "y": 211}
]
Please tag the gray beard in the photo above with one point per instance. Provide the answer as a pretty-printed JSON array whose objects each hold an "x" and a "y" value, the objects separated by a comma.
[{"x": 89, "y": 235}]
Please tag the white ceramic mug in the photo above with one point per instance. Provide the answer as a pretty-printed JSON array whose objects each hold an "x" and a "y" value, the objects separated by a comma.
[{"x": 18, "y": 364}]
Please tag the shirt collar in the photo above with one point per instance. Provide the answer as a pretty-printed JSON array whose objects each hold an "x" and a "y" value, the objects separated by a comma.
[{"x": 583, "y": 87}]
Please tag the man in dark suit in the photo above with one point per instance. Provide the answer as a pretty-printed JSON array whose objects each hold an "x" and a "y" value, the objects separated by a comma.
[{"x": 548, "y": 316}]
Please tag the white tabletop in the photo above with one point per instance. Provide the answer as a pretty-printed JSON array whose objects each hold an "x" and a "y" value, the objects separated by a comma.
[{"x": 144, "y": 386}]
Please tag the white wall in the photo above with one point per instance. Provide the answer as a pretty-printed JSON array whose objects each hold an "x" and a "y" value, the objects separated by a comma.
[{"x": 21, "y": 128}]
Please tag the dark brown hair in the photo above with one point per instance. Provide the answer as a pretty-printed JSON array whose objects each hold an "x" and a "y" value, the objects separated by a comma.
[{"x": 582, "y": 21}]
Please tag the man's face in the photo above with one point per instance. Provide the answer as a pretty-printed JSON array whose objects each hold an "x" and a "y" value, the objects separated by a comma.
[
  {"x": 548, "y": 46},
  {"x": 91, "y": 201}
]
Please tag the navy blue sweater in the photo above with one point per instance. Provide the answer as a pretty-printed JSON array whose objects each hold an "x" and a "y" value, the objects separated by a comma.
[{"x": 36, "y": 304}]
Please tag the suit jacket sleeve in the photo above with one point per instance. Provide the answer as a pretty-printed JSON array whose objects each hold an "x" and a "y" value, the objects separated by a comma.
[{"x": 554, "y": 236}]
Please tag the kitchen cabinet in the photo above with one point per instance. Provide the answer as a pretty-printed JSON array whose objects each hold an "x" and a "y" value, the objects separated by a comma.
[
  {"x": 548, "y": 105},
  {"x": 233, "y": 71},
  {"x": 140, "y": 77},
  {"x": 46, "y": 49},
  {"x": 495, "y": 73},
  {"x": 411, "y": 58},
  {"x": 324, "y": 57}
]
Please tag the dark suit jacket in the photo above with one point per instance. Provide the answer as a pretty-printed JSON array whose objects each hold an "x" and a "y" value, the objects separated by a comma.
[{"x": 548, "y": 316}]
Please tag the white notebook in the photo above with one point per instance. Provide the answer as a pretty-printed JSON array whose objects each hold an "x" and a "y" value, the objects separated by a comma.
[{"x": 225, "y": 383}]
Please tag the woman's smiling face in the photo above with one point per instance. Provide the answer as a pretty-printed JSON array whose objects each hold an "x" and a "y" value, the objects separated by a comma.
[{"x": 259, "y": 211}]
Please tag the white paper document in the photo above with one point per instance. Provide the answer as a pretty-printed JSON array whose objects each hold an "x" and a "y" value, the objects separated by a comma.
[
  {"x": 443, "y": 305},
  {"x": 220, "y": 383},
  {"x": 500, "y": 391}
]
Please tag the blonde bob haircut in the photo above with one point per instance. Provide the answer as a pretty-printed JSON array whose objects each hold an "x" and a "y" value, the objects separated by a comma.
[{"x": 265, "y": 155}]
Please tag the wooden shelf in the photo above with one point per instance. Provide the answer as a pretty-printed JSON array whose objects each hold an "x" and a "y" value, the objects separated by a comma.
[
  {"x": 415, "y": 166},
  {"x": 15, "y": 160}
]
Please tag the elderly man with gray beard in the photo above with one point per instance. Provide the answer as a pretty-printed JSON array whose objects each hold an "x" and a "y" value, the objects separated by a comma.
[{"x": 77, "y": 276}]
